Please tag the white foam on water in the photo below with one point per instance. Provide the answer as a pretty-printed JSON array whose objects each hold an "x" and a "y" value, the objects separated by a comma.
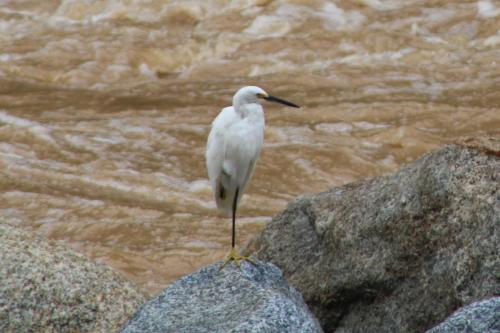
[
  {"x": 99, "y": 86},
  {"x": 430, "y": 130},
  {"x": 169, "y": 181},
  {"x": 492, "y": 40},
  {"x": 89, "y": 202},
  {"x": 370, "y": 145},
  {"x": 486, "y": 9},
  {"x": 21, "y": 25},
  {"x": 5, "y": 56},
  {"x": 348, "y": 46},
  {"x": 335, "y": 128},
  {"x": 51, "y": 216},
  {"x": 383, "y": 5},
  {"x": 115, "y": 72},
  {"x": 433, "y": 89},
  {"x": 336, "y": 18},
  {"x": 389, "y": 161},
  {"x": 110, "y": 139},
  {"x": 254, "y": 220},
  {"x": 82, "y": 143},
  {"x": 266, "y": 26},
  {"x": 11, "y": 57},
  {"x": 192, "y": 128},
  {"x": 37, "y": 129},
  {"x": 287, "y": 16},
  {"x": 199, "y": 244},
  {"x": 57, "y": 21},
  {"x": 384, "y": 90},
  {"x": 434, "y": 40},
  {"x": 312, "y": 170},
  {"x": 131, "y": 190},
  {"x": 369, "y": 126},
  {"x": 273, "y": 66},
  {"x": 293, "y": 135},
  {"x": 8, "y": 151},
  {"x": 23, "y": 13},
  {"x": 147, "y": 72},
  {"x": 374, "y": 58},
  {"x": 71, "y": 12},
  {"x": 86, "y": 12},
  {"x": 415, "y": 29},
  {"x": 199, "y": 186},
  {"x": 437, "y": 15}
]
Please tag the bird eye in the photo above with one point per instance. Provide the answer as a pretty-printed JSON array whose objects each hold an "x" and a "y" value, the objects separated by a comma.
[{"x": 260, "y": 95}]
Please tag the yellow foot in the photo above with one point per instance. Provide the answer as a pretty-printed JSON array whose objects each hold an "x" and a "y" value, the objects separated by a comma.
[{"x": 233, "y": 256}]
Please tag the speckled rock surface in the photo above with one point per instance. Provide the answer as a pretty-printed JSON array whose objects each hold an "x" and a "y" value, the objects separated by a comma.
[
  {"x": 250, "y": 299},
  {"x": 45, "y": 287},
  {"x": 478, "y": 317},
  {"x": 397, "y": 253}
]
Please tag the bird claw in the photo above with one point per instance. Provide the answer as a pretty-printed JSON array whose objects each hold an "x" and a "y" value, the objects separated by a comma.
[{"x": 233, "y": 256}]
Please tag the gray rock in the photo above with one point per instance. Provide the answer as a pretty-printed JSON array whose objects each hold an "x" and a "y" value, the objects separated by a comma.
[
  {"x": 397, "y": 253},
  {"x": 478, "y": 317},
  {"x": 250, "y": 299},
  {"x": 45, "y": 287}
]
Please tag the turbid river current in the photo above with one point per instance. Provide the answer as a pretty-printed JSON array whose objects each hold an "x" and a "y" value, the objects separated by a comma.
[{"x": 105, "y": 107}]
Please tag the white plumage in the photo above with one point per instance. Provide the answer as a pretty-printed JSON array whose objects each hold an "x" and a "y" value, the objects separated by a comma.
[{"x": 233, "y": 147}]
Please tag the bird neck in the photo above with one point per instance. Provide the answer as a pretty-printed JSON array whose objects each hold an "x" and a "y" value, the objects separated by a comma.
[{"x": 245, "y": 110}]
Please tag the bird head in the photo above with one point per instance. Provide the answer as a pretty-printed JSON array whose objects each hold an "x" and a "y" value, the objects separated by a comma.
[{"x": 252, "y": 94}]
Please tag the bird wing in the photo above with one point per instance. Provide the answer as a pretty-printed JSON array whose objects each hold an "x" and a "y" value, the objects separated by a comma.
[
  {"x": 233, "y": 147},
  {"x": 216, "y": 152},
  {"x": 242, "y": 149}
]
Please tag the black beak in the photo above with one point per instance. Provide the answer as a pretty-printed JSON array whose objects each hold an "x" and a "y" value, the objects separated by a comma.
[{"x": 281, "y": 101}]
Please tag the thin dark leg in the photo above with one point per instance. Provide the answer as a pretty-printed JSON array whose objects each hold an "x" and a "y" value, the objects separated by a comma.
[
  {"x": 235, "y": 202},
  {"x": 233, "y": 256}
]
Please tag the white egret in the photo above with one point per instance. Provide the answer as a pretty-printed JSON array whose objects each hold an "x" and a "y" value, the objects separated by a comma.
[{"x": 233, "y": 147}]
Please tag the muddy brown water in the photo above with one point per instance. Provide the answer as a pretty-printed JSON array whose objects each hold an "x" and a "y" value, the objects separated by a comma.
[{"x": 105, "y": 107}]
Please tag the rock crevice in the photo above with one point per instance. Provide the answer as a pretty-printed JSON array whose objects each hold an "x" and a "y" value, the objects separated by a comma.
[{"x": 399, "y": 252}]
